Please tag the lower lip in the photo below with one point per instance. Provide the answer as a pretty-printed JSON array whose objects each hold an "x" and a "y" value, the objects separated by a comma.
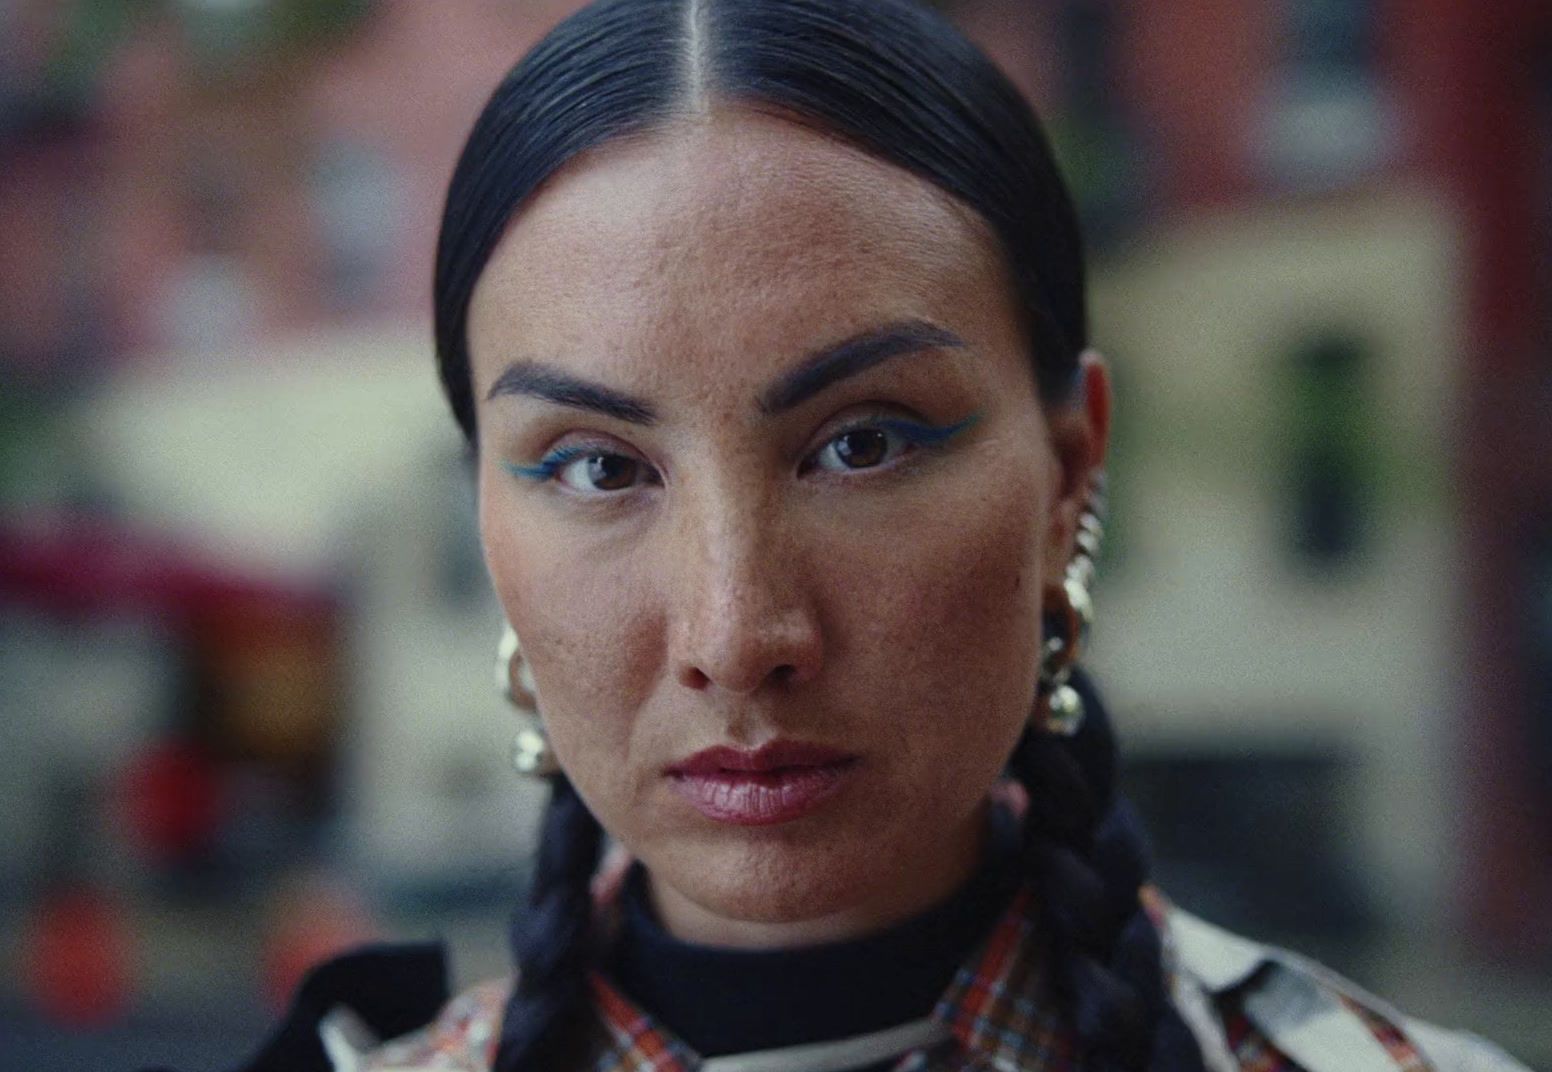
[{"x": 763, "y": 798}]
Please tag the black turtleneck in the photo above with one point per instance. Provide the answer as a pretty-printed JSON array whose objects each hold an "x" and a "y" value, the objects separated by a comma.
[{"x": 722, "y": 1001}]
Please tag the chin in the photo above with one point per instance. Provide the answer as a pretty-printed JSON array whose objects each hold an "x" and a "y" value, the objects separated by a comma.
[{"x": 774, "y": 880}]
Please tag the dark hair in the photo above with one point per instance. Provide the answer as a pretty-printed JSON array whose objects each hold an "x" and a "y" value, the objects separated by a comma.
[{"x": 900, "y": 82}]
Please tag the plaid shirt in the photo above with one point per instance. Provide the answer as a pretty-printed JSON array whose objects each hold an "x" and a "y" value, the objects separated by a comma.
[{"x": 997, "y": 1011}]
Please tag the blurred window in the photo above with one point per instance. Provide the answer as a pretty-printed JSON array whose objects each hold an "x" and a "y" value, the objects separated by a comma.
[
  {"x": 1324, "y": 122},
  {"x": 1335, "y": 36},
  {"x": 1328, "y": 443}
]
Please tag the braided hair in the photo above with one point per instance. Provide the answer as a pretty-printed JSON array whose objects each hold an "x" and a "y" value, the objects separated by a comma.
[
  {"x": 552, "y": 941},
  {"x": 1085, "y": 852},
  {"x": 899, "y": 81}
]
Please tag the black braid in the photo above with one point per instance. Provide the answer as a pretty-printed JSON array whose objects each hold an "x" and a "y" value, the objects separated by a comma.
[
  {"x": 552, "y": 944},
  {"x": 1085, "y": 849}
]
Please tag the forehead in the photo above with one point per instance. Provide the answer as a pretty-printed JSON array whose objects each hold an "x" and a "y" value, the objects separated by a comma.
[{"x": 733, "y": 233}]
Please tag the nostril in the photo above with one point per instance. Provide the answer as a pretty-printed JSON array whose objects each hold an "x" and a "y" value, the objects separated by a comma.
[
  {"x": 784, "y": 673},
  {"x": 693, "y": 677}
]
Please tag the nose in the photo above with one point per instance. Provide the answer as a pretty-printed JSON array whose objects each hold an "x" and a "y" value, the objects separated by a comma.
[{"x": 744, "y": 620}]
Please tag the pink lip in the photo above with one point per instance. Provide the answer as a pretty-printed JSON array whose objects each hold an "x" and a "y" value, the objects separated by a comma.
[{"x": 776, "y": 783}]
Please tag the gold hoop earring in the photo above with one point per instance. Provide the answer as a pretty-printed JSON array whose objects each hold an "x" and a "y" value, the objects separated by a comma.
[
  {"x": 1070, "y": 610},
  {"x": 531, "y": 751}
]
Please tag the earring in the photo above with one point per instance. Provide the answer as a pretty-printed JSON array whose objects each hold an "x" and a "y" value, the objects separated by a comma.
[
  {"x": 531, "y": 751},
  {"x": 1069, "y": 614}
]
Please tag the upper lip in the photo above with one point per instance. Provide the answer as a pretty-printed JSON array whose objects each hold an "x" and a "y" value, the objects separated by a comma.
[{"x": 768, "y": 757}]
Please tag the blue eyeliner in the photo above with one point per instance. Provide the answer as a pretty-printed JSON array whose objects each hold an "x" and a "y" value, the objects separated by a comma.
[
  {"x": 923, "y": 435},
  {"x": 550, "y": 465}
]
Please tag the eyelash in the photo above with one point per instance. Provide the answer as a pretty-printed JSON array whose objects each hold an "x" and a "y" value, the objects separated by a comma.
[{"x": 914, "y": 433}]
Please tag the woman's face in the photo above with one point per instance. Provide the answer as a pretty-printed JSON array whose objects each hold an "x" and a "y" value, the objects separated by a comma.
[{"x": 763, "y": 469}]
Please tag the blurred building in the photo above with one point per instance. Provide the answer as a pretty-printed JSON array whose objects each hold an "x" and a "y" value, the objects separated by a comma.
[
  {"x": 1332, "y": 133},
  {"x": 244, "y": 628}
]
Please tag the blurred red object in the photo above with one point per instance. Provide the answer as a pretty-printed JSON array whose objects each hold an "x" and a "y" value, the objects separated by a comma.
[
  {"x": 171, "y": 802},
  {"x": 73, "y": 565},
  {"x": 76, "y": 958},
  {"x": 310, "y": 922}
]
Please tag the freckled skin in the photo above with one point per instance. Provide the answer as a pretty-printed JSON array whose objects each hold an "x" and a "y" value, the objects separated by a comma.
[{"x": 892, "y": 612}]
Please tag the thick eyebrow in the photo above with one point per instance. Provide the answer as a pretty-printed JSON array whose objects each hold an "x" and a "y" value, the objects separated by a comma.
[
  {"x": 552, "y": 385},
  {"x": 852, "y": 356},
  {"x": 820, "y": 370}
]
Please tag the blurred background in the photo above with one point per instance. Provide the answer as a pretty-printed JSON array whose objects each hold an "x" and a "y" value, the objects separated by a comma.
[{"x": 247, "y": 715}]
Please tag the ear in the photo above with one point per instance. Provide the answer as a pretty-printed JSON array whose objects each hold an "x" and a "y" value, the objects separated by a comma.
[{"x": 1080, "y": 434}]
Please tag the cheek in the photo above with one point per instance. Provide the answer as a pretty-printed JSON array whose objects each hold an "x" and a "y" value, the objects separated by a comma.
[
  {"x": 953, "y": 601},
  {"x": 941, "y": 635},
  {"x": 586, "y": 629}
]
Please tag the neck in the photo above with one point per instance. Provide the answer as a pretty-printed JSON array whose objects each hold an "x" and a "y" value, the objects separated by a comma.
[{"x": 895, "y": 893}]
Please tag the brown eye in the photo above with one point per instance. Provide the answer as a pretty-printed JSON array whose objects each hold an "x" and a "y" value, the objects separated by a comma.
[
  {"x": 599, "y": 472},
  {"x": 862, "y": 448},
  {"x": 612, "y": 472}
]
